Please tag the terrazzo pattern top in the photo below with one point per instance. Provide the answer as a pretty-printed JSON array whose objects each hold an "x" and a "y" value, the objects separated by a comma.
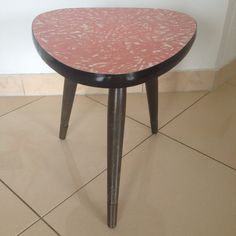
[{"x": 112, "y": 40}]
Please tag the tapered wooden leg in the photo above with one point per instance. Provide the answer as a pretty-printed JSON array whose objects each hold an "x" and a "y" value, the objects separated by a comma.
[
  {"x": 67, "y": 103},
  {"x": 152, "y": 97},
  {"x": 115, "y": 134}
]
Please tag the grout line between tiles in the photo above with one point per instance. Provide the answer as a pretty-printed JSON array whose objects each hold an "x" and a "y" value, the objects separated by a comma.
[
  {"x": 32, "y": 209},
  {"x": 138, "y": 122},
  {"x": 21, "y": 232},
  {"x": 21, "y": 106},
  {"x": 144, "y": 140},
  {"x": 84, "y": 185},
  {"x": 41, "y": 219},
  {"x": 50, "y": 227},
  {"x": 194, "y": 149},
  {"x": 20, "y": 198},
  {"x": 131, "y": 118},
  {"x": 167, "y": 121},
  {"x": 204, "y": 95},
  {"x": 87, "y": 96}
]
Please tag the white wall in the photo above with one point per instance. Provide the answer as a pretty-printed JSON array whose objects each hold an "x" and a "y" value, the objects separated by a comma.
[
  {"x": 18, "y": 55},
  {"x": 227, "y": 51}
]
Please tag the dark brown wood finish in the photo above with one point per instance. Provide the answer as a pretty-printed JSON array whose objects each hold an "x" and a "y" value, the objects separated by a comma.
[
  {"x": 152, "y": 97},
  {"x": 115, "y": 134},
  {"x": 67, "y": 103},
  {"x": 113, "y": 81}
]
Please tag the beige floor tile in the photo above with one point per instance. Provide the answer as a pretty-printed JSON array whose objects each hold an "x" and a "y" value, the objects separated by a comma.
[
  {"x": 39, "y": 229},
  {"x": 44, "y": 170},
  {"x": 170, "y": 105},
  {"x": 14, "y": 214},
  {"x": 166, "y": 189},
  {"x": 210, "y": 125},
  {"x": 8, "y": 104}
]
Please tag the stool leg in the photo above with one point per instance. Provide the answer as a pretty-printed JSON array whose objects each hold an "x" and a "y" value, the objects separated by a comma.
[
  {"x": 67, "y": 103},
  {"x": 152, "y": 97},
  {"x": 115, "y": 134}
]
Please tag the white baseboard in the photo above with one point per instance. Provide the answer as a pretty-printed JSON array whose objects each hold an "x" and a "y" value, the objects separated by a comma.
[
  {"x": 225, "y": 73},
  {"x": 183, "y": 81},
  {"x": 173, "y": 81}
]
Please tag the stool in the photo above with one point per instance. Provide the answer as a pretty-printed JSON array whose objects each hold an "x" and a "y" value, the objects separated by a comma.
[{"x": 112, "y": 48}]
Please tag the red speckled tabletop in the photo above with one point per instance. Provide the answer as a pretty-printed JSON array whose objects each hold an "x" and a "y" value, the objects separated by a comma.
[{"x": 113, "y": 40}]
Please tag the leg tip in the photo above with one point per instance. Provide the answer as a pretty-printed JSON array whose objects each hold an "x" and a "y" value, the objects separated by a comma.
[
  {"x": 63, "y": 131},
  {"x": 112, "y": 216},
  {"x": 154, "y": 130}
]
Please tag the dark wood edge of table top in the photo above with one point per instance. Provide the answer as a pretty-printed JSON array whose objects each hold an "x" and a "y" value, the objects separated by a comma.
[{"x": 113, "y": 81}]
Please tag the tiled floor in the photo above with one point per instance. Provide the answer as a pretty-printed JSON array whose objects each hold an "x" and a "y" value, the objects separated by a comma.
[{"x": 179, "y": 182}]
